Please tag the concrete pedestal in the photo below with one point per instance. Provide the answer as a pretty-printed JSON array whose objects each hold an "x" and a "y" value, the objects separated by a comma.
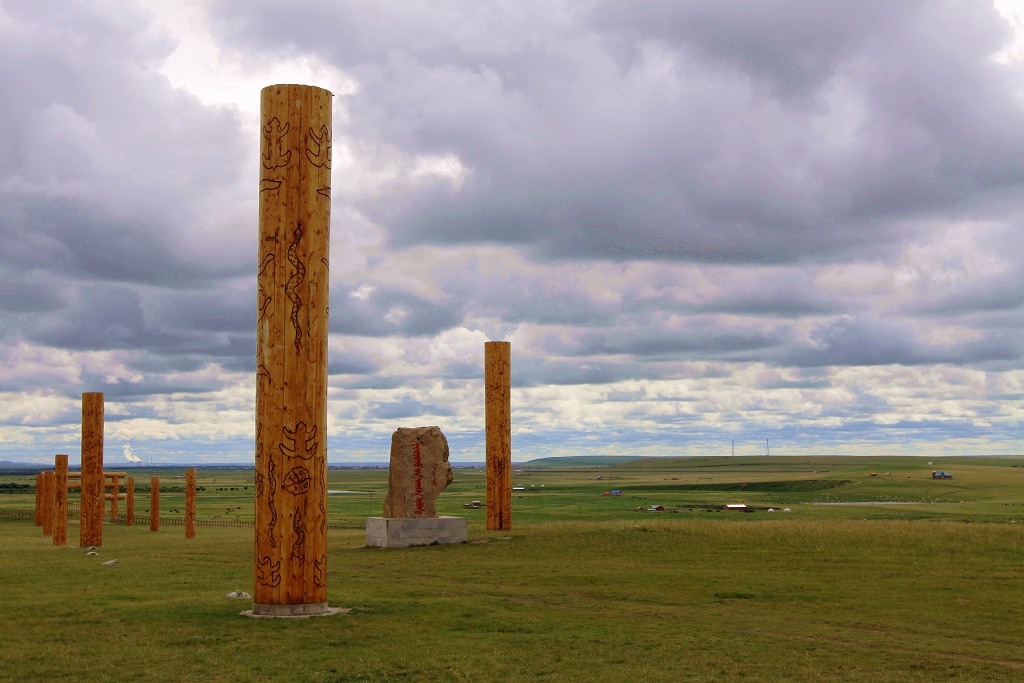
[{"x": 402, "y": 532}]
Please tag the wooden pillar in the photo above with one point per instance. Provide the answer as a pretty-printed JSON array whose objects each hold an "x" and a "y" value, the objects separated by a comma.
[
  {"x": 190, "y": 502},
  {"x": 130, "y": 503},
  {"x": 115, "y": 488},
  {"x": 60, "y": 500},
  {"x": 47, "y": 503},
  {"x": 154, "y": 504},
  {"x": 498, "y": 433},
  {"x": 291, "y": 351},
  {"x": 40, "y": 497},
  {"x": 90, "y": 531}
]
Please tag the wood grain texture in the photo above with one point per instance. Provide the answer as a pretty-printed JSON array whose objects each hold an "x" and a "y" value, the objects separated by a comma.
[
  {"x": 154, "y": 504},
  {"x": 91, "y": 526},
  {"x": 40, "y": 497},
  {"x": 129, "y": 504},
  {"x": 60, "y": 500},
  {"x": 291, "y": 346},
  {"x": 190, "y": 502},
  {"x": 48, "y": 503},
  {"x": 498, "y": 433}
]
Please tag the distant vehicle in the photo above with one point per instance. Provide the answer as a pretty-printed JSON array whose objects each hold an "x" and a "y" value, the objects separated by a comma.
[{"x": 939, "y": 474}]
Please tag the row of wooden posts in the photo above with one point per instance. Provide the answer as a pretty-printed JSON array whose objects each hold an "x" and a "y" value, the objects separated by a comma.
[
  {"x": 291, "y": 375},
  {"x": 51, "y": 511}
]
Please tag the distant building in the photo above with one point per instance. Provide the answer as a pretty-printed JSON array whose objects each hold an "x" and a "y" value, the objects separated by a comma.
[{"x": 939, "y": 474}]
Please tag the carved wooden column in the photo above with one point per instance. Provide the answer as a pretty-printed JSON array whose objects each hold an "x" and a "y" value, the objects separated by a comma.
[
  {"x": 129, "y": 504},
  {"x": 190, "y": 502},
  {"x": 115, "y": 487},
  {"x": 498, "y": 433},
  {"x": 47, "y": 503},
  {"x": 40, "y": 497},
  {"x": 154, "y": 503},
  {"x": 60, "y": 500},
  {"x": 291, "y": 351},
  {"x": 90, "y": 531}
]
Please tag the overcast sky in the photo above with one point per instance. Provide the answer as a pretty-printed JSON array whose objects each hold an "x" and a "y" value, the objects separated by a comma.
[{"x": 699, "y": 223}]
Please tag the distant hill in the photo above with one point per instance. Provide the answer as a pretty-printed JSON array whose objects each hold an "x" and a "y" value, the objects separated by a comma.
[{"x": 560, "y": 462}]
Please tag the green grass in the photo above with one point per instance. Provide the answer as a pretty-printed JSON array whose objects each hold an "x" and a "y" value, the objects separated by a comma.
[{"x": 584, "y": 588}]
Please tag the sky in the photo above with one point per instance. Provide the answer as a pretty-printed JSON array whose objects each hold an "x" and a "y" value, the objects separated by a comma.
[{"x": 704, "y": 227}]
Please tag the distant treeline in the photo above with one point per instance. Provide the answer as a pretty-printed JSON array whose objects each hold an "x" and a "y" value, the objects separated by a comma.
[{"x": 12, "y": 487}]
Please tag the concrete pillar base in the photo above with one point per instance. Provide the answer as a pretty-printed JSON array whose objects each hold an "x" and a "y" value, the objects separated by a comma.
[{"x": 403, "y": 532}]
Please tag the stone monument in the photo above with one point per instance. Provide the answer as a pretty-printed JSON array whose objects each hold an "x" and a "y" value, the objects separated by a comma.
[{"x": 419, "y": 471}]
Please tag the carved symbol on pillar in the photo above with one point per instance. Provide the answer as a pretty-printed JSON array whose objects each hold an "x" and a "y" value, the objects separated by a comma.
[
  {"x": 269, "y": 573},
  {"x": 300, "y": 438},
  {"x": 298, "y": 275},
  {"x": 323, "y": 509},
  {"x": 300, "y": 537},
  {"x": 259, "y": 458},
  {"x": 297, "y": 481},
  {"x": 271, "y": 469},
  {"x": 321, "y": 156},
  {"x": 318, "y": 571},
  {"x": 275, "y": 156}
]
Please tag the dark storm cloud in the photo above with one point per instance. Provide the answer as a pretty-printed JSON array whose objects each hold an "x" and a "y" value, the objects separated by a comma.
[
  {"x": 873, "y": 341},
  {"x": 404, "y": 407},
  {"x": 721, "y": 132},
  {"x": 532, "y": 371},
  {"x": 107, "y": 166},
  {"x": 698, "y": 340},
  {"x": 390, "y": 312},
  {"x": 350, "y": 363}
]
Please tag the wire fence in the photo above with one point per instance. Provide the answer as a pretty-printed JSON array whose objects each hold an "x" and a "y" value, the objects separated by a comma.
[{"x": 178, "y": 520}]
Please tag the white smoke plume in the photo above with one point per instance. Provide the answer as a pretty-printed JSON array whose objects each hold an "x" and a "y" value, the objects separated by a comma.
[{"x": 129, "y": 456}]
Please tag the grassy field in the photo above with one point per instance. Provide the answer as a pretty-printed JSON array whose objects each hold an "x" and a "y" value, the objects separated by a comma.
[{"x": 924, "y": 586}]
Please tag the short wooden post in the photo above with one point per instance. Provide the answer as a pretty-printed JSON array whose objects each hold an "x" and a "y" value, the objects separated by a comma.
[
  {"x": 115, "y": 488},
  {"x": 130, "y": 503},
  {"x": 154, "y": 504},
  {"x": 498, "y": 433},
  {"x": 90, "y": 531},
  {"x": 47, "y": 503},
  {"x": 60, "y": 500},
  {"x": 40, "y": 497},
  {"x": 291, "y": 351},
  {"x": 190, "y": 503}
]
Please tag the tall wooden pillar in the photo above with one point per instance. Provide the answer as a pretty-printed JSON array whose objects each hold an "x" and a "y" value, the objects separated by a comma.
[
  {"x": 190, "y": 502},
  {"x": 154, "y": 504},
  {"x": 498, "y": 433},
  {"x": 47, "y": 503},
  {"x": 60, "y": 500},
  {"x": 129, "y": 503},
  {"x": 91, "y": 529},
  {"x": 40, "y": 497},
  {"x": 291, "y": 351}
]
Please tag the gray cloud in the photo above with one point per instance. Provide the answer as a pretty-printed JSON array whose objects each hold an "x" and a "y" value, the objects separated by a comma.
[
  {"x": 730, "y": 134},
  {"x": 794, "y": 218}
]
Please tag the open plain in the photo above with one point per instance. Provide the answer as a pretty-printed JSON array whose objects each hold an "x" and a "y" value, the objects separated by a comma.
[{"x": 924, "y": 584}]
